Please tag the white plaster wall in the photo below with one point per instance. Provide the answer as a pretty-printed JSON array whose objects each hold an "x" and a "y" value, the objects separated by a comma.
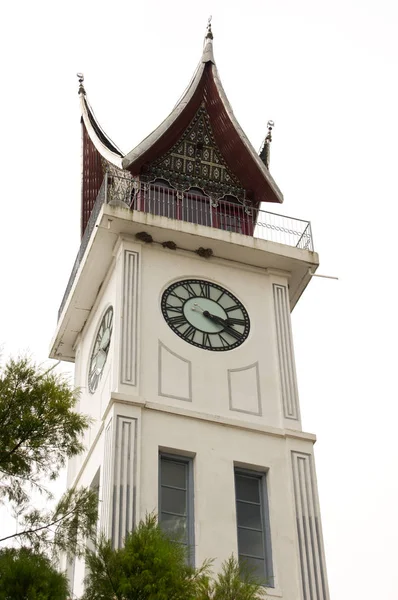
[
  {"x": 211, "y": 391},
  {"x": 216, "y": 449},
  {"x": 94, "y": 405},
  {"x": 213, "y": 383}
]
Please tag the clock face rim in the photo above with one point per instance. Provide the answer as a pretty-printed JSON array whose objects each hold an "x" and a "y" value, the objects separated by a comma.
[
  {"x": 92, "y": 389},
  {"x": 247, "y": 323}
]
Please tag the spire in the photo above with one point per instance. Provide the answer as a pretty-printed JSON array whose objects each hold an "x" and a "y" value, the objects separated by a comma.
[
  {"x": 209, "y": 34},
  {"x": 207, "y": 55},
  {"x": 80, "y": 77},
  {"x": 266, "y": 149}
]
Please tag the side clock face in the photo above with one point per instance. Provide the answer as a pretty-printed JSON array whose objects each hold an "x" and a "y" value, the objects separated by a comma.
[
  {"x": 100, "y": 350},
  {"x": 205, "y": 314}
]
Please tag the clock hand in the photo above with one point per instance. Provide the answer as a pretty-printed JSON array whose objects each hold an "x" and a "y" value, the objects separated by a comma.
[
  {"x": 228, "y": 328},
  {"x": 207, "y": 314},
  {"x": 223, "y": 322},
  {"x": 198, "y": 308},
  {"x": 220, "y": 320},
  {"x": 235, "y": 334},
  {"x": 105, "y": 340}
]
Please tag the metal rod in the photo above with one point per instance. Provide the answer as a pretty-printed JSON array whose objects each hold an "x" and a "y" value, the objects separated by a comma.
[{"x": 323, "y": 276}]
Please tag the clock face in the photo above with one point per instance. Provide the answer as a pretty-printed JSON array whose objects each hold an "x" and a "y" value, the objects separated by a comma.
[
  {"x": 205, "y": 314},
  {"x": 100, "y": 350}
]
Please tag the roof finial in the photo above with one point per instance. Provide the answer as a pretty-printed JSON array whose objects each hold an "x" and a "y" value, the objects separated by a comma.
[
  {"x": 265, "y": 150},
  {"x": 209, "y": 33},
  {"x": 80, "y": 77},
  {"x": 270, "y": 126}
]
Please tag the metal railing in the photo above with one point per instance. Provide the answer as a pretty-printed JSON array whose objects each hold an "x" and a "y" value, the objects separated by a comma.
[{"x": 193, "y": 206}]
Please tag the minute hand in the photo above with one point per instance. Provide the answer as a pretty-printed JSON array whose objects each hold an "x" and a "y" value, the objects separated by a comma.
[
  {"x": 232, "y": 332},
  {"x": 224, "y": 323}
]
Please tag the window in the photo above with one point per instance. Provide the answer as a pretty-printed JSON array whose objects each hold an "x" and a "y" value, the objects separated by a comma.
[
  {"x": 176, "y": 499},
  {"x": 254, "y": 543}
]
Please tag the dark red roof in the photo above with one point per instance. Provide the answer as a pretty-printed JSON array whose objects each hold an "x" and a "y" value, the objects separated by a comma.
[{"x": 236, "y": 149}]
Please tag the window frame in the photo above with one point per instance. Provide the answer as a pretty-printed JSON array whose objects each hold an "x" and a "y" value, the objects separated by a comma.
[
  {"x": 188, "y": 461},
  {"x": 261, "y": 477}
]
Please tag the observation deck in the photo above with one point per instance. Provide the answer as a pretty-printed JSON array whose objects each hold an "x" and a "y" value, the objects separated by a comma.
[{"x": 195, "y": 207}]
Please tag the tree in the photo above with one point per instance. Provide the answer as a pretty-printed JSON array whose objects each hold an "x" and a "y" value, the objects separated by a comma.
[
  {"x": 234, "y": 582},
  {"x": 148, "y": 567},
  {"x": 40, "y": 430},
  {"x": 25, "y": 575},
  {"x": 151, "y": 566}
]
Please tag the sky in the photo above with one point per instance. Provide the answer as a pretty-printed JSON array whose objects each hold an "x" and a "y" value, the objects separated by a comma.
[{"x": 326, "y": 73}]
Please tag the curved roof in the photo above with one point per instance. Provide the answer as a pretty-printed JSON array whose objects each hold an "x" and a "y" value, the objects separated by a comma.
[
  {"x": 205, "y": 89},
  {"x": 237, "y": 150},
  {"x": 101, "y": 141}
]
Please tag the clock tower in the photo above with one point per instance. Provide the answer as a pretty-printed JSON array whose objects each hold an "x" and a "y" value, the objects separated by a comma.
[{"x": 177, "y": 317}]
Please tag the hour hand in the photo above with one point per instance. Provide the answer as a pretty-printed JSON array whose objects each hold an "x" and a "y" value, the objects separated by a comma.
[
  {"x": 224, "y": 322},
  {"x": 214, "y": 318},
  {"x": 228, "y": 328}
]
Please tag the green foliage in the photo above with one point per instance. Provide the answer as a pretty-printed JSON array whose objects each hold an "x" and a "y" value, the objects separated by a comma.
[
  {"x": 149, "y": 567},
  {"x": 40, "y": 430},
  {"x": 65, "y": 528},
  {"x": 25, "y": 575},
  {"x": 234, "y": 582}
]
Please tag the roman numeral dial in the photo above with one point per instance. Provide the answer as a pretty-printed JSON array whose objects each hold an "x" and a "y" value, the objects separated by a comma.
[
  {"x": 100, "y": 350},
  {"x": 205, "y": 315}
]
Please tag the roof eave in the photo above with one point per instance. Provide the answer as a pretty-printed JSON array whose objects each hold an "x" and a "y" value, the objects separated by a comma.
[
  {"x": 134, "y": 159},
  {"x": 110, "y": 156},
  {"x": 245, "y": 140}
]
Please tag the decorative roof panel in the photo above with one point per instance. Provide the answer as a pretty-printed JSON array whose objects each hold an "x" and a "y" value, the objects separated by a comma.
[{"x": 231, "y": 157}]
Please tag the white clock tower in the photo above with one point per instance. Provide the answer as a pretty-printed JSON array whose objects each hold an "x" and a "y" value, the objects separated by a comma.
[{"x": 177, "y": 317}]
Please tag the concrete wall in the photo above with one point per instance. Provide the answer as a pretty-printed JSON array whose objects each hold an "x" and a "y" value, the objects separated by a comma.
[
  {"x": 224, "y": 409},
  {"x": 256, "y": 379}
]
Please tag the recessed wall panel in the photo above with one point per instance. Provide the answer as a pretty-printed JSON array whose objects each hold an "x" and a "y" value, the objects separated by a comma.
[
  {"x": 287, "y": 368},
  {"x": 244, "y": 390},
  {"x": 175, "y": 375},
  {"x": 128, "y": 361},
  {"x": 309, "y": 532}
]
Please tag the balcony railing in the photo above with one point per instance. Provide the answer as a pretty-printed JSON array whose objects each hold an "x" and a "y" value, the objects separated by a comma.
[{"x": 193, "y": 206}]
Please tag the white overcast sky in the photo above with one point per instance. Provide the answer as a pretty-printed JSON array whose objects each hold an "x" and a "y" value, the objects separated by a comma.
[{"x": 326, "y": 73}]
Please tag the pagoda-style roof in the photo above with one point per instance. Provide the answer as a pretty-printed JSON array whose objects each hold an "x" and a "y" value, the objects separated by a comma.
[
  {"x": 206, "y": 90},
  {"x": 232, "y": 166}
]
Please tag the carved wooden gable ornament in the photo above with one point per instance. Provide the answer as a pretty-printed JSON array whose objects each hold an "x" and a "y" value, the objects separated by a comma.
[{"x": 196, "y": 161}]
